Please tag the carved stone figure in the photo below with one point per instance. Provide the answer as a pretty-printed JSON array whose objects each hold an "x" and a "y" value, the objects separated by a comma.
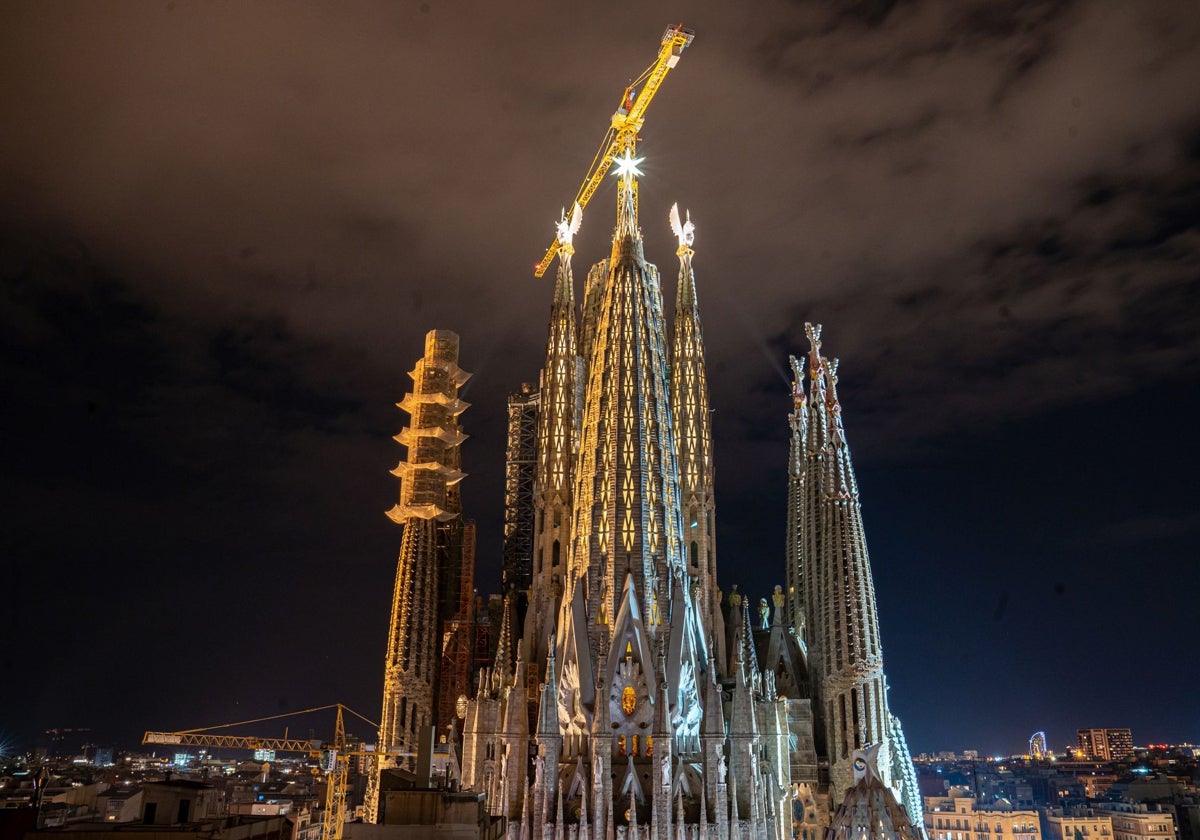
[
  {"x": 684, "y": 232},
  {"x": 566, "y": 228}
]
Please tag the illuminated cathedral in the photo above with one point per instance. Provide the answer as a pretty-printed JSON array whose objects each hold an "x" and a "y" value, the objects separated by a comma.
[{"x": 629, "y": 697}]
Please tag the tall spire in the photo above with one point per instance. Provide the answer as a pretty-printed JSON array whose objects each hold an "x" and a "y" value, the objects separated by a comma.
[
  {"x": 797, "y": 476},
  {"x": 834, "y": 568},
  {"x": 548, "y": 735},
  {"x": 428, "y": 495},
  {"x": 502, "y": 668},
  {"x": 851, "y": 658},
  {"x": 689, "y": 403},
  {"x": 809, "y": 542},
  {"x": 557, "y": 443},
  {"x": 515, "y": 733},
  {"x": 627, "y": 514}
]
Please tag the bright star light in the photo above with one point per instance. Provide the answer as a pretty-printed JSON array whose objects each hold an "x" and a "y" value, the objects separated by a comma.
[{"x": 628, "y": 166}]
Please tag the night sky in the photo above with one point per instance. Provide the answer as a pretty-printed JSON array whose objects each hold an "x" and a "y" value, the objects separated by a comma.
[{"x": 225, "y": 228}]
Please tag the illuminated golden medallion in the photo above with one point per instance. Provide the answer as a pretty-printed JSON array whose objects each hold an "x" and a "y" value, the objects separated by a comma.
[{"x": 628, "y": 700}]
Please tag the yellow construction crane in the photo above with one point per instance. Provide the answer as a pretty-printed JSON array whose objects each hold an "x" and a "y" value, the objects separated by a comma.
[
  {"x": 334, "y": 756},
  {"x": 622, "y": 135}
]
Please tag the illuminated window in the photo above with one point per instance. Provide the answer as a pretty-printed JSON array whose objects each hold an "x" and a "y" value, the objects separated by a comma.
[{"x": 628, "y": 700}]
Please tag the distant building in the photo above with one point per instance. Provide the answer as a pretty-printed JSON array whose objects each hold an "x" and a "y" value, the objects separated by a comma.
[
  {"x": 1097, "y": 785},
  {"x": 1057, "y": 825},
  {"x": 1187, "y": 812},
  {"x": 1105, "y": 744},
  {"x": 1138, "y": 822},
  {"x": 176, "y": 802},
  {"x": 121, "y": 804},
  {"x": 957, "y": 816}
]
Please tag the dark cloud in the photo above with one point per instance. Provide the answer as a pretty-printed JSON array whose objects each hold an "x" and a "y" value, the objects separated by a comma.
[{"x": 226, "y": 230}]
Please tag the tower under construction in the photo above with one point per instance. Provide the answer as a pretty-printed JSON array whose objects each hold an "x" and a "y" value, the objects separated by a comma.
[
  {"x": 429, "y": 511},
  {"x": 520, "y": 470}
]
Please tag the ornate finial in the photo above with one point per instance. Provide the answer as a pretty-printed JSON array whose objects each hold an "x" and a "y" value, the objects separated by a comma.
[
  {"x": 501, "y": 669},
  {"x": 798, "y": 397},
  {"x": 685, "y": 232},
  {"x": 627, "y": 172},
  {"x": 566, "y": 228},
  {"x": 814, "y": 335},
  {"x": 831, "y": 368},
  {"x": 815, "y": 364}
]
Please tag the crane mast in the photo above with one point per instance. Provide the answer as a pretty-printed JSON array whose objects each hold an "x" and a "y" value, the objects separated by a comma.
[{"x": 622, "y": 134}]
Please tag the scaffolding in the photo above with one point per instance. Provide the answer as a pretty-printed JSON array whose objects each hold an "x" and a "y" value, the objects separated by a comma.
[
  {"x": 430, "y": 562},
  {"x": 520, "y": 469},
  {"x": 481, "y": 638},
  {"x": 454, "y": 678}
]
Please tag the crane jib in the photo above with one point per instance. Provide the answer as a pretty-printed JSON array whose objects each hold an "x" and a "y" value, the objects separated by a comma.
[{"x": 627, "y": 122}]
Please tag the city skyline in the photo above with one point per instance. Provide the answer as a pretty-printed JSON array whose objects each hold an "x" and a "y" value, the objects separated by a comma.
[{"x": 227, "y": 229}]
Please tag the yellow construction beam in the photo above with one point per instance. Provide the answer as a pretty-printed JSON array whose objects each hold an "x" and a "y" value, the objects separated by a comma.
[{"x": 626, "y": 123}]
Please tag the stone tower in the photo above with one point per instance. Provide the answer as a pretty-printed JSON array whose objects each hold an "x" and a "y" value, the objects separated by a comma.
[
  {"x": 689, "y": 403},
  {"x": 629, "y": 700},
  {"x": 429, "y": 503},
  {"x": 833, "y": 598},
  {"x": 556, "y": 443}
]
